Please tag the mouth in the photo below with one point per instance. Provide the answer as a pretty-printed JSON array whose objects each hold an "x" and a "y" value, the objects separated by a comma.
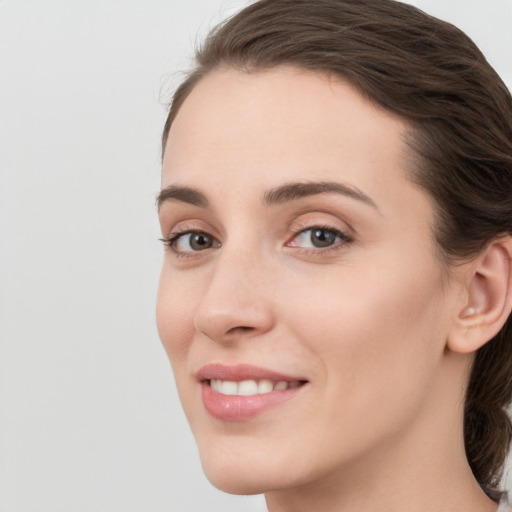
[
  {"x": 252, "y": 387},
  {"x": 239, "y": 393}
]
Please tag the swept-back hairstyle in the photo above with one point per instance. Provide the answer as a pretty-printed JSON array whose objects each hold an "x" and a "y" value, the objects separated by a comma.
[{"x": 460, "y": 112}]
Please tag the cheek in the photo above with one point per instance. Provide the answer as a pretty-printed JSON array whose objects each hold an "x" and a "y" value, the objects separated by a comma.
[
  {"x": 372, "y": 335},
  {"x": 175, "y": 318}
]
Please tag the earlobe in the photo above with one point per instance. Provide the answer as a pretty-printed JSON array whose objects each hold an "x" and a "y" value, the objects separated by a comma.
[{"x": 488, "y": 300}]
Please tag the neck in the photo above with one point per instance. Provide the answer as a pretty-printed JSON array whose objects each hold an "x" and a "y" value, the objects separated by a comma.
[{"x": 420, "y": 488}]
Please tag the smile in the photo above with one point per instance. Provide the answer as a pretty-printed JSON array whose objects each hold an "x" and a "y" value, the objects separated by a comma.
[
  {"x": 242, "y": 392},
  {"x": 251, "y": 387}
]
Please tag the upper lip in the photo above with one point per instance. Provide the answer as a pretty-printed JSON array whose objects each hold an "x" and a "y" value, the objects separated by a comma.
[{"x": 240, "y": 372}]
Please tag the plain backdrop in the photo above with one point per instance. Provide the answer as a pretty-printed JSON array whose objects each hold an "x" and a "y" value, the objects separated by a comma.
[{"x": 89, "y": 416}]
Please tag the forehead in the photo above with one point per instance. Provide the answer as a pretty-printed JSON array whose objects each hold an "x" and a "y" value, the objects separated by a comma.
[
  {"x": 267, "y": 113},
  {"x": 280, "y": 125}
]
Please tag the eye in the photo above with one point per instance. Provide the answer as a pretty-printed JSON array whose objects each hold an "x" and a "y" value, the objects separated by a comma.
[
  {"x": 318, "y": 238},
  {"x": 191, "y": 241}
]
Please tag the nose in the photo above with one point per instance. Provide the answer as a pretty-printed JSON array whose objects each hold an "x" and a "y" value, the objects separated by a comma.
[{"x": 237, "y": 302}]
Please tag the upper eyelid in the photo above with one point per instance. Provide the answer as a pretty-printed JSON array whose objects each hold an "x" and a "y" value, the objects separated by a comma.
[
  {"x": 187, "y": 231},
  {"x": 296, "y": 231},
  {"x": 322, "y": 214},
  {"x": 326, "y": 227},
  {"x": 333, "y": 223},
  {"x": 301, "y": 221},
  {"x": 175, "y": 235},
  {"x": 184, "y": 226}
]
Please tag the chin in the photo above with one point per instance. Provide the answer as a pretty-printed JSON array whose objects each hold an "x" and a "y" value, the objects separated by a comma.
[
  {"x": 243, "y": 471},
  {"x": 240, "y": 484},
  {"x": 234, "y": 479}
]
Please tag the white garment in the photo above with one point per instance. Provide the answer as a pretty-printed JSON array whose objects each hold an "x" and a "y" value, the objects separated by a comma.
[{"x": 505, "y": 506}]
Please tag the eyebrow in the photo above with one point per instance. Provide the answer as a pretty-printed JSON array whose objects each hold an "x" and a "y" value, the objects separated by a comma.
[
  {"x": 279, "y": 195},
  {"x": 182, "y": 195},
  {"x": 294, "y": 191}
]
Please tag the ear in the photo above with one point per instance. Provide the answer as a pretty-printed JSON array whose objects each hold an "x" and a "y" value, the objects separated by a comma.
[{"x": 488, "y": 299}]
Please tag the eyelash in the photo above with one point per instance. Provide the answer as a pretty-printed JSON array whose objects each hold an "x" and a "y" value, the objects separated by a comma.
[
  {"x": 169, "y": 242},
  {"x": 344, "y": 240}
]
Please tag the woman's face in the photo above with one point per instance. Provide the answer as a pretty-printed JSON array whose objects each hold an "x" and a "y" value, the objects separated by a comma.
[{"x": 301, "y": 302}]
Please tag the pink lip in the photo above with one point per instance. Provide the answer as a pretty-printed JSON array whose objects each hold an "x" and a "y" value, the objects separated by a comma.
[
  {"x": 240, "y": 408},
  {"x": 241, "y": 372}
]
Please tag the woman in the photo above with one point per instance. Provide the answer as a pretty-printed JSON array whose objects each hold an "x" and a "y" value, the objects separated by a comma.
[{"x": 335, "y": 297}]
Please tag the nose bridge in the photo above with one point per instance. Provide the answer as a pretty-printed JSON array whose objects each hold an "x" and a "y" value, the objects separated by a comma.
[{"x": 235, "y": 302}]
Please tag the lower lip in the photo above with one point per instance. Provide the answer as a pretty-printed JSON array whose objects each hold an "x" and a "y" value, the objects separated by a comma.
[{"x": 240, "y": 408}]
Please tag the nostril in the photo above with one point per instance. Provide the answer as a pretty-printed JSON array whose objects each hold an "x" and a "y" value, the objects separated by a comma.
[{"x": 240, "y": 329}]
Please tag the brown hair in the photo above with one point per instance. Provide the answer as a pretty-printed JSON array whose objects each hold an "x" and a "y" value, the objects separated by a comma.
[{"x": 433, "y": 75}]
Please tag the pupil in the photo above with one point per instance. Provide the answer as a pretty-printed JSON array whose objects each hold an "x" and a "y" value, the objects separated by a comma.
[
  {"x": 200, "y": 241},
  {"x": 322, "y": 238}
]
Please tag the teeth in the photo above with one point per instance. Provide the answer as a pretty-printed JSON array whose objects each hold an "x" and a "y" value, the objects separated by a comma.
[
  {"x": 282, "y": 384},
  {"x": 250, "y": 387},
  {"x": 247, "y": 387},
  {"x": 265, "y": 386},
  {"x": 229, "y": 388}
]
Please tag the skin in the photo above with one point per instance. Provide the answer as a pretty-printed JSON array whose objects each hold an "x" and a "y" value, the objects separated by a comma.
[{"x": 365, "y": 320}]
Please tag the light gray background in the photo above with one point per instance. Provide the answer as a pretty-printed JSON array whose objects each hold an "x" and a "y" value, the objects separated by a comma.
[{"x": 89, "y": 417}]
